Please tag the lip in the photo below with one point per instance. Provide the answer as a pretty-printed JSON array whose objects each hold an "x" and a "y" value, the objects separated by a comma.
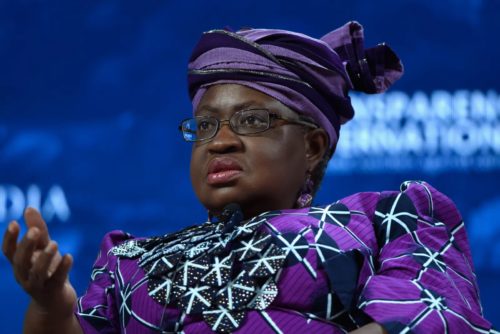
[{"x": 223, "y": 170}]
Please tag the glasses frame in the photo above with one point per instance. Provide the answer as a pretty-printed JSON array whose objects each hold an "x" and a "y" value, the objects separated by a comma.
[{"x": 220, "y": 122}]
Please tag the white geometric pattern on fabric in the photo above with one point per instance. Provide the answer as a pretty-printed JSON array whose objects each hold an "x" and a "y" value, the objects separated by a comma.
[
  {"x": 297, "y": 247},
  {"x": 388, "y": 218},
  {"x": 198, "y": 270},
  {"x": 265, "y": 295},
  {"x": 266, "y": 264},
  {"x": 196, "y": 298},
  {"x": 220, "y": 273},
  {"x": 237, "y": 293},
  {"x": 334, "y": 214},
  {"x": 222, "y": 320},
  {"x": 251, "y": 247}
]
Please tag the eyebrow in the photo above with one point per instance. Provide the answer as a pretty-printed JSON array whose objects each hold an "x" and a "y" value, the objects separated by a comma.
[{"x": 236, "y": 107}]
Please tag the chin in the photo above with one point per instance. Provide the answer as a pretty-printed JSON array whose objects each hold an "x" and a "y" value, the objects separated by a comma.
[
  {"x": 216, "y": 207},
  {"x": 251, "y": 201},
  {"x": 218, "y": 199}
]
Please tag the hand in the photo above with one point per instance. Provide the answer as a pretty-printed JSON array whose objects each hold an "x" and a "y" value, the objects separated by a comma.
[{"x": 39, "y": 267}]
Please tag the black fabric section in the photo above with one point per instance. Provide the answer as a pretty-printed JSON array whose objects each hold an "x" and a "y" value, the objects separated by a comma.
[
  {"x": 403, "y": 212},
  {"x": 343, "y": 273}
]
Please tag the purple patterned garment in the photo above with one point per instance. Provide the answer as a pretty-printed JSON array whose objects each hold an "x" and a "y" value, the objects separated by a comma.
[{"x": 398, "y": 258}]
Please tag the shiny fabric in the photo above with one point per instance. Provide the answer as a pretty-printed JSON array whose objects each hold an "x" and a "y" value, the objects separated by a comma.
[
  {"x": 311, "y": 76},
  {"x": 398, "y": 258}
]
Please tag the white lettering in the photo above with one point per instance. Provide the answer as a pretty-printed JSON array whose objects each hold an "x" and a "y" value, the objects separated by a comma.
[
  {"x": 442, "y": 130},
  {"x": 13, "y": 202}
]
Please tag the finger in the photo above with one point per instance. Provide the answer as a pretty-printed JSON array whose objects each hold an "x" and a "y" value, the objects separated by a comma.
[
  {"x": 24, "y": 253},
  {"x": 9, "y": 244},
  {"x": 55, "y": 262},
  {"x": 40, "y": 271},
  {"x": 33, "y": 219},
  {"x": 61, "y": 274}
]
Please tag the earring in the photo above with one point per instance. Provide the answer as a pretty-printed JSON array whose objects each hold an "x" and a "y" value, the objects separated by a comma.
[{"x": 305, "y": 195}]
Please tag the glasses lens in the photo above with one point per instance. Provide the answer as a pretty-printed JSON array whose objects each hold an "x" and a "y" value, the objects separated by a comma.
[
  {"x": 199, "y": 128},
  {"x": 250, "y": 121}
]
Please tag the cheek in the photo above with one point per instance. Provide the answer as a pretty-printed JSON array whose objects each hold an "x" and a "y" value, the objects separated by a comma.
[
  {"x": 281, "y": 164},
  {"x": 195, "y": 169}
]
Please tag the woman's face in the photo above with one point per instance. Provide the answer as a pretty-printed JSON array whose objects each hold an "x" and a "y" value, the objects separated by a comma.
[{"x": 260, "y": 172}]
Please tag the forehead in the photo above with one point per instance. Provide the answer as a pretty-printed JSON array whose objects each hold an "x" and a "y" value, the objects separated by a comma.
[{"x": 229, "y": 98}]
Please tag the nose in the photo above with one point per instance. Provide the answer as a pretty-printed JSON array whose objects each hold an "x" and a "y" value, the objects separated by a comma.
[{"x": 225, "y": 140}]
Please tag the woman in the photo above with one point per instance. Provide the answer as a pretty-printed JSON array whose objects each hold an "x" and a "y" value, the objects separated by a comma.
[{"x": 268, "y": 106}]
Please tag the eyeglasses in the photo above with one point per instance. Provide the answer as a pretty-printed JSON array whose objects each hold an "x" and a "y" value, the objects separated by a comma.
[{"x": 244, "y": 122}]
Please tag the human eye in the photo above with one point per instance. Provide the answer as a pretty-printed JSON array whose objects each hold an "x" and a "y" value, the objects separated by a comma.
[
  {"x": 253, "y": 119},
  {"x": 205, "y": 124}
]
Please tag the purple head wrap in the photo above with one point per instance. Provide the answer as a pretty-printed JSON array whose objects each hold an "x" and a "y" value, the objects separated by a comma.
[{"x": 310, "y": 76}]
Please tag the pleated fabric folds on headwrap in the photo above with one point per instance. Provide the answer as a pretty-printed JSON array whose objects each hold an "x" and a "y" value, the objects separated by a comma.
[{"x": 310, "y": 76}]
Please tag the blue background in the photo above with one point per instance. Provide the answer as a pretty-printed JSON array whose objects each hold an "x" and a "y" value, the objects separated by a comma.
[{"x": 91, "y": 94}]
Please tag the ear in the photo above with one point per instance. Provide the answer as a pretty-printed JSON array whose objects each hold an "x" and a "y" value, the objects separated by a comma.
[{"x": 316, "y": 142}]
